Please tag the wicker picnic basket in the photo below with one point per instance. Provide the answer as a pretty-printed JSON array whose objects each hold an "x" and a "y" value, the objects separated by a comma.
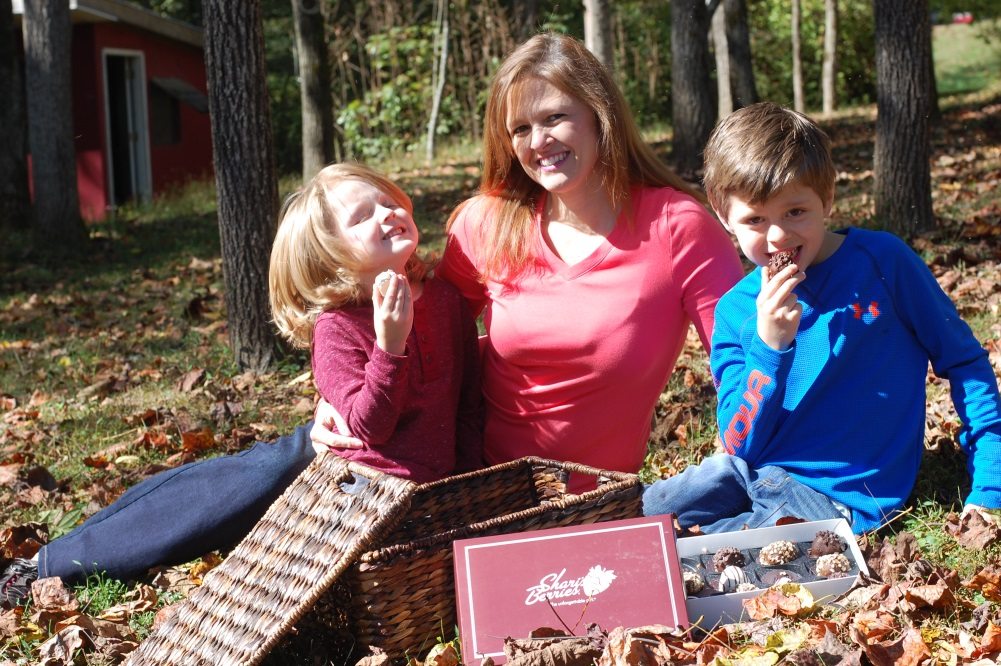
[{"x": 372, "y": 566}]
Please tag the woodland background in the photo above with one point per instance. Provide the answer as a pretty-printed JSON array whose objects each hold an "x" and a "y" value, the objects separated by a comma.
[{"x": 117, "y": 338}]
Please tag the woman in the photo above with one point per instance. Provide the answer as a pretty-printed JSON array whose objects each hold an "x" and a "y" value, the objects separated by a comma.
[{"x": 588, "y": 258}]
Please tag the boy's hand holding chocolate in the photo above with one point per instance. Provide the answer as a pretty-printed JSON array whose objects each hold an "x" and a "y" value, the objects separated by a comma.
[{"x": 779, "y": 309}]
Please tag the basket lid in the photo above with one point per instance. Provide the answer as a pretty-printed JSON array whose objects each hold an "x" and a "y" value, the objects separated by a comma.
[{"x": 306, "y": 540}]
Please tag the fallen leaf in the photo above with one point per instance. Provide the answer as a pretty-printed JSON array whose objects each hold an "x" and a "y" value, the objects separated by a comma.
[
  {"x": 987, "y": 581},
  {"x": 194, "y": 441},
  {"x": 937, "y": 596},
  {"x": 787, "y": 599},
  {"x": 50, "y": 594},
  {"x": 442, "y": 655},
  {"x": 991, "y": 640},
  {"x": 60, "y": 648},
  {"x": 202, "y": 567},
  {"x": 972, "y": 530},
  {"x": 191, "y": 379},
  {"x": 873, "y": 626},
  {"x": 908, "y": 650},
  {"x": 143, "y": 598}
]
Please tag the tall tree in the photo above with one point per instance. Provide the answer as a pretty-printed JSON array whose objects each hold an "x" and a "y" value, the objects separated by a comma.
[
  {"x": 440, "y": 51},
  {"x": 525, "y": 15},
  {"x": 738, "y": 42},
  {"x": 935, "y": 114},
  {"x": 15, "y": 206},
  {"x": 691, "y": 97},
  {"x": 797, "y": 60},
  {"x": 902, "y": 151},
  {"x": 46, "y": 28},
  {"x": 598, "y": 30},
  {"x": 721, "y": 51},
  {"x": 829, "y": 69},
  {"x": 314, "y": 75},
  {"x": 246, "y": 180}
]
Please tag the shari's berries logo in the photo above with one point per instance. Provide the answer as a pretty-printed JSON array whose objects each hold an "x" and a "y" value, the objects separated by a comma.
[{"x": 561, "y": 591}]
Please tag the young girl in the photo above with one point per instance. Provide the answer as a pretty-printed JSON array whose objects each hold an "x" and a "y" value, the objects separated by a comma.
[{"x": 394, "y": 350}]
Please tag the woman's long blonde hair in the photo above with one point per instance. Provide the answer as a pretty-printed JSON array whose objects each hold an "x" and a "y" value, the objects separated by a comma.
[
  {"x": 625, "y": 159},
  {"x": 312, "y": 269}
]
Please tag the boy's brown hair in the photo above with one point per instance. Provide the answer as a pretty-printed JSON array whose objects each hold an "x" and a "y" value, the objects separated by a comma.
[{"x": 756, "y": 151}]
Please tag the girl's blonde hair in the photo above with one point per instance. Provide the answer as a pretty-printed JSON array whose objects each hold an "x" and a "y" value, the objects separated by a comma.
[
  {"x": 312, "y": 269},
  {"x": 625, "y": 159}
]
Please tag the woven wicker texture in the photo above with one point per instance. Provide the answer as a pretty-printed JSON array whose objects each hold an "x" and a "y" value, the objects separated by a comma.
[
  {"x": 305, "y": 541},
  {"x": 402, "y": 594}
]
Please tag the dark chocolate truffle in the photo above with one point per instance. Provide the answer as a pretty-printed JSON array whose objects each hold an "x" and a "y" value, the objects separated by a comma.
[
  {"x": 826, "y": 542},
  {"x": 727, "y": 556},
  {"x": 778, "y": 261}
]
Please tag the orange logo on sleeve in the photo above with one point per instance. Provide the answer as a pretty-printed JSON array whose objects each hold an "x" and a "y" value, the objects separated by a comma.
[{"x": 743, "y": 421}]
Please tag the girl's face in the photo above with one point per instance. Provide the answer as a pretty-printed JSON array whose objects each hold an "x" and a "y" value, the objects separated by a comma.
[
  {"x": 377, "y": 228},
  {"x": 554, "y": 136}
]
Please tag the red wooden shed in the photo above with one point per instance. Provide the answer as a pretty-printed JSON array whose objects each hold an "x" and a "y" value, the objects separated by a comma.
[{"x": 140, "y": 111}]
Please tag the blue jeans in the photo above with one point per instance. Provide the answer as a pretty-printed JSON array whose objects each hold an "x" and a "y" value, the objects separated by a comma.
[
  {"x": 723, "y": 494},
  {"x": 180, "y": 514}
]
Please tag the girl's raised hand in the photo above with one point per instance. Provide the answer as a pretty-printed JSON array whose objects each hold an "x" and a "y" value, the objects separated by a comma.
[
  {"x": 393, "y": 304},
  {"x": 779, "y": 310}
]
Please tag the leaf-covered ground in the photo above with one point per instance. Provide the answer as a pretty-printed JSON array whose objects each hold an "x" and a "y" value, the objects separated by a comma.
[{"x": 117, "y": 367}]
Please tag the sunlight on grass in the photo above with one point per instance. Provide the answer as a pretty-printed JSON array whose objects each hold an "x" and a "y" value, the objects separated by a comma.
[{"x": 964, "y": 60}]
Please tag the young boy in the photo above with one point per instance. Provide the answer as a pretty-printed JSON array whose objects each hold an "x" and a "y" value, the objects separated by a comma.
[{"x": 821, "y": 366}]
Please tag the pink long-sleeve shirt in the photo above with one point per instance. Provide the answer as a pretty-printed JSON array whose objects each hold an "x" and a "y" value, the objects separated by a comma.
[{"x": 575, "y": 357}]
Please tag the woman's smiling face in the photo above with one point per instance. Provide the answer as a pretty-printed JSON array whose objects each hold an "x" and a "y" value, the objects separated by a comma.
[{"x": 554, "y": 136}]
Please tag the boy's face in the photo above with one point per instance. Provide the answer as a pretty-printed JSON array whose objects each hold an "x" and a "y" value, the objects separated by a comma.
[{"x": 794, "y": 218}]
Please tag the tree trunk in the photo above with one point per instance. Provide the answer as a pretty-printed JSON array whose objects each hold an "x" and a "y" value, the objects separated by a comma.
[
  {"x": 598, "y": 30},
  {"x": 246, "y": 183},
  {"x": 314, "y": 75},
  {"x": 797, "y": 62},
  {"x": 829, "y": 71},
  {"x": 738, "y": 41},
  {"x": 526, "y": 13},
  {"x": 691, "y": 98},
  {"x": 58, "y": 227},
  {"x": 438, "y": 75},
  {"x": 15, "y": 206},
  {"x": 721, "y": 50},
  {"x": 935, "y": 113},
  {"x": 902, "y": 151}
]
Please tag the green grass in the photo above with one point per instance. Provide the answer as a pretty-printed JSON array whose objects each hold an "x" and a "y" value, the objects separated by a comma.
[{"x": 964, "y": 60}]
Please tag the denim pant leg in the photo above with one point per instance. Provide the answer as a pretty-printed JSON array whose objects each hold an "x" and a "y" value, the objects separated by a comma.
[
  {"x": 702, "y": 494},
  {"x": 180, "y": 514},
  {"x": 774, "y": 494},
  {"x": 723, "y": 494}
]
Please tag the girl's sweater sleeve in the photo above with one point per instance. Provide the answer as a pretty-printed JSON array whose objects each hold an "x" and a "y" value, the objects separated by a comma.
[
  {"x": 750, "y": 378},
  {"x": 364, "y": 383},
  {"x": 957, "y": 356}
]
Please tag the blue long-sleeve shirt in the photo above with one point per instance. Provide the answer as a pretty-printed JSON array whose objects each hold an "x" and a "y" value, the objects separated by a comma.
[{"x": 843, "y": 409}]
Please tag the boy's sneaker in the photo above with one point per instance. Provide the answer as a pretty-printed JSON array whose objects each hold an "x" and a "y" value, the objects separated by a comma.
[{"x": 15, "y": 583}]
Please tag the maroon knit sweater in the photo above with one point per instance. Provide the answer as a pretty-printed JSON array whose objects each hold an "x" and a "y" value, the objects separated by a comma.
[{"x": 420, "y": 414}]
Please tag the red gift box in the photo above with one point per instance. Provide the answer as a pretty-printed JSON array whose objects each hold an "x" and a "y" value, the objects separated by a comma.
[{"x": 616, "y": 573}]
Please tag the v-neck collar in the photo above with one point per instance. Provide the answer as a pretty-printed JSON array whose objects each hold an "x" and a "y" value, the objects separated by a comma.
[{"x": 558, "y": 265}]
